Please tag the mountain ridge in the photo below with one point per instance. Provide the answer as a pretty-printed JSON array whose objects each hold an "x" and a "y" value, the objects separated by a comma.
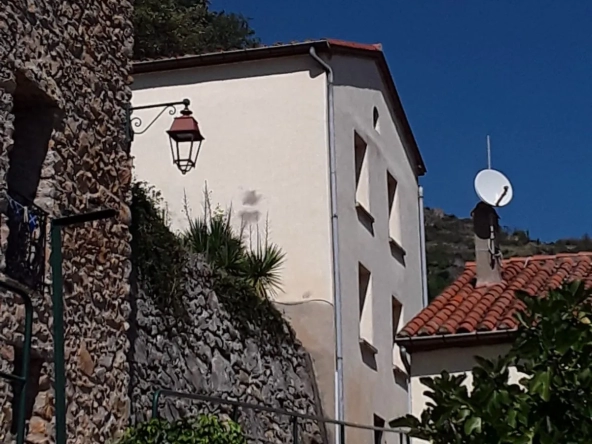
[{"x": 450, "y": 244}]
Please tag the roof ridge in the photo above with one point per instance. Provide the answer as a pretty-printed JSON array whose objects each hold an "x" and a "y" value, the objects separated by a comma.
[
  {"x": 538, "y": 257},
  {"x": 355, "y": 45}
]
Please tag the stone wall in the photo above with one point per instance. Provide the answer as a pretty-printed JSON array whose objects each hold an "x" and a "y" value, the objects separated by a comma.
[
  {"x": 211, "y": 355},
  {"x": 74, "y": 56}
]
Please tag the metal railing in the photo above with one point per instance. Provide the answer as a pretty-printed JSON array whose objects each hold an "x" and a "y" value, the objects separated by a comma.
[
  {"x": 19, "y": 381},
  {"x": 296, "y": 418},
  {"x": 25, "y": 242}
]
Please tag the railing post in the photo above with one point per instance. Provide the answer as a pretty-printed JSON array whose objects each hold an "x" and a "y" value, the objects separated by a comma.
[
  {"x": 58, "y": 334},
  {"x": 19, "y": 382},
  {"x": 341, "y": 433},
  {"x": 25, "y": 368},
  {"x": 57, "y": 295},
  {"x": 294, "y": 430},
  {"x": 155, "y": 399},
  {"x": 234, "y": 416}
]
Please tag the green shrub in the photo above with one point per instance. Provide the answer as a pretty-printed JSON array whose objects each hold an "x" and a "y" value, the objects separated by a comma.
[
  {"x": 158, "y": 254},
  {"x": 549, "y": 404},
  {"x": 205, "y": 429}
]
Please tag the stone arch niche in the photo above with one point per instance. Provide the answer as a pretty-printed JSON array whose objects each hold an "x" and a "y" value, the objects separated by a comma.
[
  {"x": 22, "y": 225},
  {"x": 35, "y": 117}
]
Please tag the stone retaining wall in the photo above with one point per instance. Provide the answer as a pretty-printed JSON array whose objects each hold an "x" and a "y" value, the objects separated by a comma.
[{"x": 212, "y": 357}]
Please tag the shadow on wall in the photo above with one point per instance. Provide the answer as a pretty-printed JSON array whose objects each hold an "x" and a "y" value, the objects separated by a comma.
[{"x": 250, "y": 215}]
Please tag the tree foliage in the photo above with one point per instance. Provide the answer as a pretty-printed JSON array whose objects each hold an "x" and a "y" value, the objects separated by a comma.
[
  {"x": 158, "y": 254},
  {"x": 552, "y": 403},
  {"x": 205, "y": 429},
  {"x": 170, "y": 28}
]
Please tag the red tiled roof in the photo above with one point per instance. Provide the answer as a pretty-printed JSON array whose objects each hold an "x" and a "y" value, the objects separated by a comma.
[
  {"x": 354, "y": 45},
  {"x": 463, "y": 309}
]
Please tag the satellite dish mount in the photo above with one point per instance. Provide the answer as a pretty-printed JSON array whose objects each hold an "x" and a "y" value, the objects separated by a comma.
[{"x": 495, "y": 191}]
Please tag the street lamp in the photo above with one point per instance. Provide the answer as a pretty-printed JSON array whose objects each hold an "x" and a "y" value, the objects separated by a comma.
[{"x": 184, "y": 134}]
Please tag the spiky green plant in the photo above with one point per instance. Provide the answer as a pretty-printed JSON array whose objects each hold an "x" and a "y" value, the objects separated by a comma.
[
  {"x": 261, "y": 268},
  {"x": 257, "y": 261}
]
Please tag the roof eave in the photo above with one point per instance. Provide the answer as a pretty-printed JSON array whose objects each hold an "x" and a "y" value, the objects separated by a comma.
[
  {"x": 223, "y": 57},
  {"x": 455, "y": 340}
]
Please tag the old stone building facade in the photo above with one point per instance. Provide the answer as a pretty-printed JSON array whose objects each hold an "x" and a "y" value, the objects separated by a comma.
[
  {"x": 64, "y": 76},
  {"x": 64, "y": 87}
]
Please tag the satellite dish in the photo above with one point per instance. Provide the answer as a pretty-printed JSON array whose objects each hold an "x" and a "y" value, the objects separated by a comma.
[{"x": 493, "y": 188}]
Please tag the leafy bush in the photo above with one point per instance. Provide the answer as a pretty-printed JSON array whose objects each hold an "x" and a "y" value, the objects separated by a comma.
[
  {"x": 205, "y": 429},
  {"x": 158, "y": 254},
  {"x": 551, "y": 404}
]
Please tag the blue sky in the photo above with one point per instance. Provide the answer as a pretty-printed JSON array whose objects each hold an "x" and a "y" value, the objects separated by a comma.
[{"x": 519, "y": 70}]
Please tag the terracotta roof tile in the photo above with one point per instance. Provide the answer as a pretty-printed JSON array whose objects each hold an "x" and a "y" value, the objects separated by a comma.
[{"x": 462, "y": 308}]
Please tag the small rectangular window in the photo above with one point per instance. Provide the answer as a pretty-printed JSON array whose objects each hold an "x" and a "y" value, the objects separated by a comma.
[
  {"x": 365, "y": 300},
  {"x": 394, "y": 221},
  {"x": 362, "y": 171},
  {"x": 393, "y": 214},
  {"x": 362, "y": 183},
  {"x": 378, "y": 434},
  {"x": 396, "y": 317}
]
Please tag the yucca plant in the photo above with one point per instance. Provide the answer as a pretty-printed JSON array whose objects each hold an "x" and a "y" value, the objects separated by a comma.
[
  {"x": 262, "y": 264},
  {"x": 258, "y": 262},
  {"x": 215, "y": 239}
]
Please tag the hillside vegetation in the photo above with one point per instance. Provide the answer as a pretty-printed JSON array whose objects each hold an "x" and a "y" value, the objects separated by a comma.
[{"x": 449, "y": 244}]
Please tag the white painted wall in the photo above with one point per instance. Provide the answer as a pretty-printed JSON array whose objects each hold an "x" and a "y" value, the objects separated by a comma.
[
  {"x": 265, "y": 155},
  {"x": 360, "y": 88},
  {"x": 265, "y": 128}
]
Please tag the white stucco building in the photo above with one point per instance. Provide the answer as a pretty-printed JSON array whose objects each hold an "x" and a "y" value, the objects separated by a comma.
[{"x": 312, "y": 136}]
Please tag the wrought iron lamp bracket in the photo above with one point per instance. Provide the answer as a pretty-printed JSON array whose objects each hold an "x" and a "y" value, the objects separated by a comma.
[{"x": 133, "y": 124}]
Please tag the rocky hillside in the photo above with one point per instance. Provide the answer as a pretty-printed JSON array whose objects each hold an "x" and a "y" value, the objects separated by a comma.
[{"x": 449, "y": 244}]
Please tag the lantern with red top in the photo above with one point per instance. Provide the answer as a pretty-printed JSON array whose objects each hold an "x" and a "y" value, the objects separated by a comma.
[{"x": 186, "y": 140}]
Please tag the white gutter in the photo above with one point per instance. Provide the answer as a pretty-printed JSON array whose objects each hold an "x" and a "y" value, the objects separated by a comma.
[
  {"x": 422, "y": 247},
  {"x": 339, "y": 405}
]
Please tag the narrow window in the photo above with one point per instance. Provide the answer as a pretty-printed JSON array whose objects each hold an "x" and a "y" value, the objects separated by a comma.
[
  {"x": 362, "y": 183},
  {"x": 360, "y": 149},
  {"x": 396, "y": 312},
  {"x": 394, "y": 224},
  {"x": 378, "y": 434},
  {"x": 365, "y": 299},
  {"x": 376, "y": 120},
  {"x": 399, "y": 368},
  {"x": 391, "y": 185}
]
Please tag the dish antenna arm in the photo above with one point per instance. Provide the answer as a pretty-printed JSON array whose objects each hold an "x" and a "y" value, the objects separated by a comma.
[{"x": 494, "y": 251}]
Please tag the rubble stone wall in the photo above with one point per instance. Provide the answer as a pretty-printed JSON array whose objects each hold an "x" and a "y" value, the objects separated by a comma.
[
  {"x": 77, "y": 55},
  {"x": 212, "y": 356}
]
